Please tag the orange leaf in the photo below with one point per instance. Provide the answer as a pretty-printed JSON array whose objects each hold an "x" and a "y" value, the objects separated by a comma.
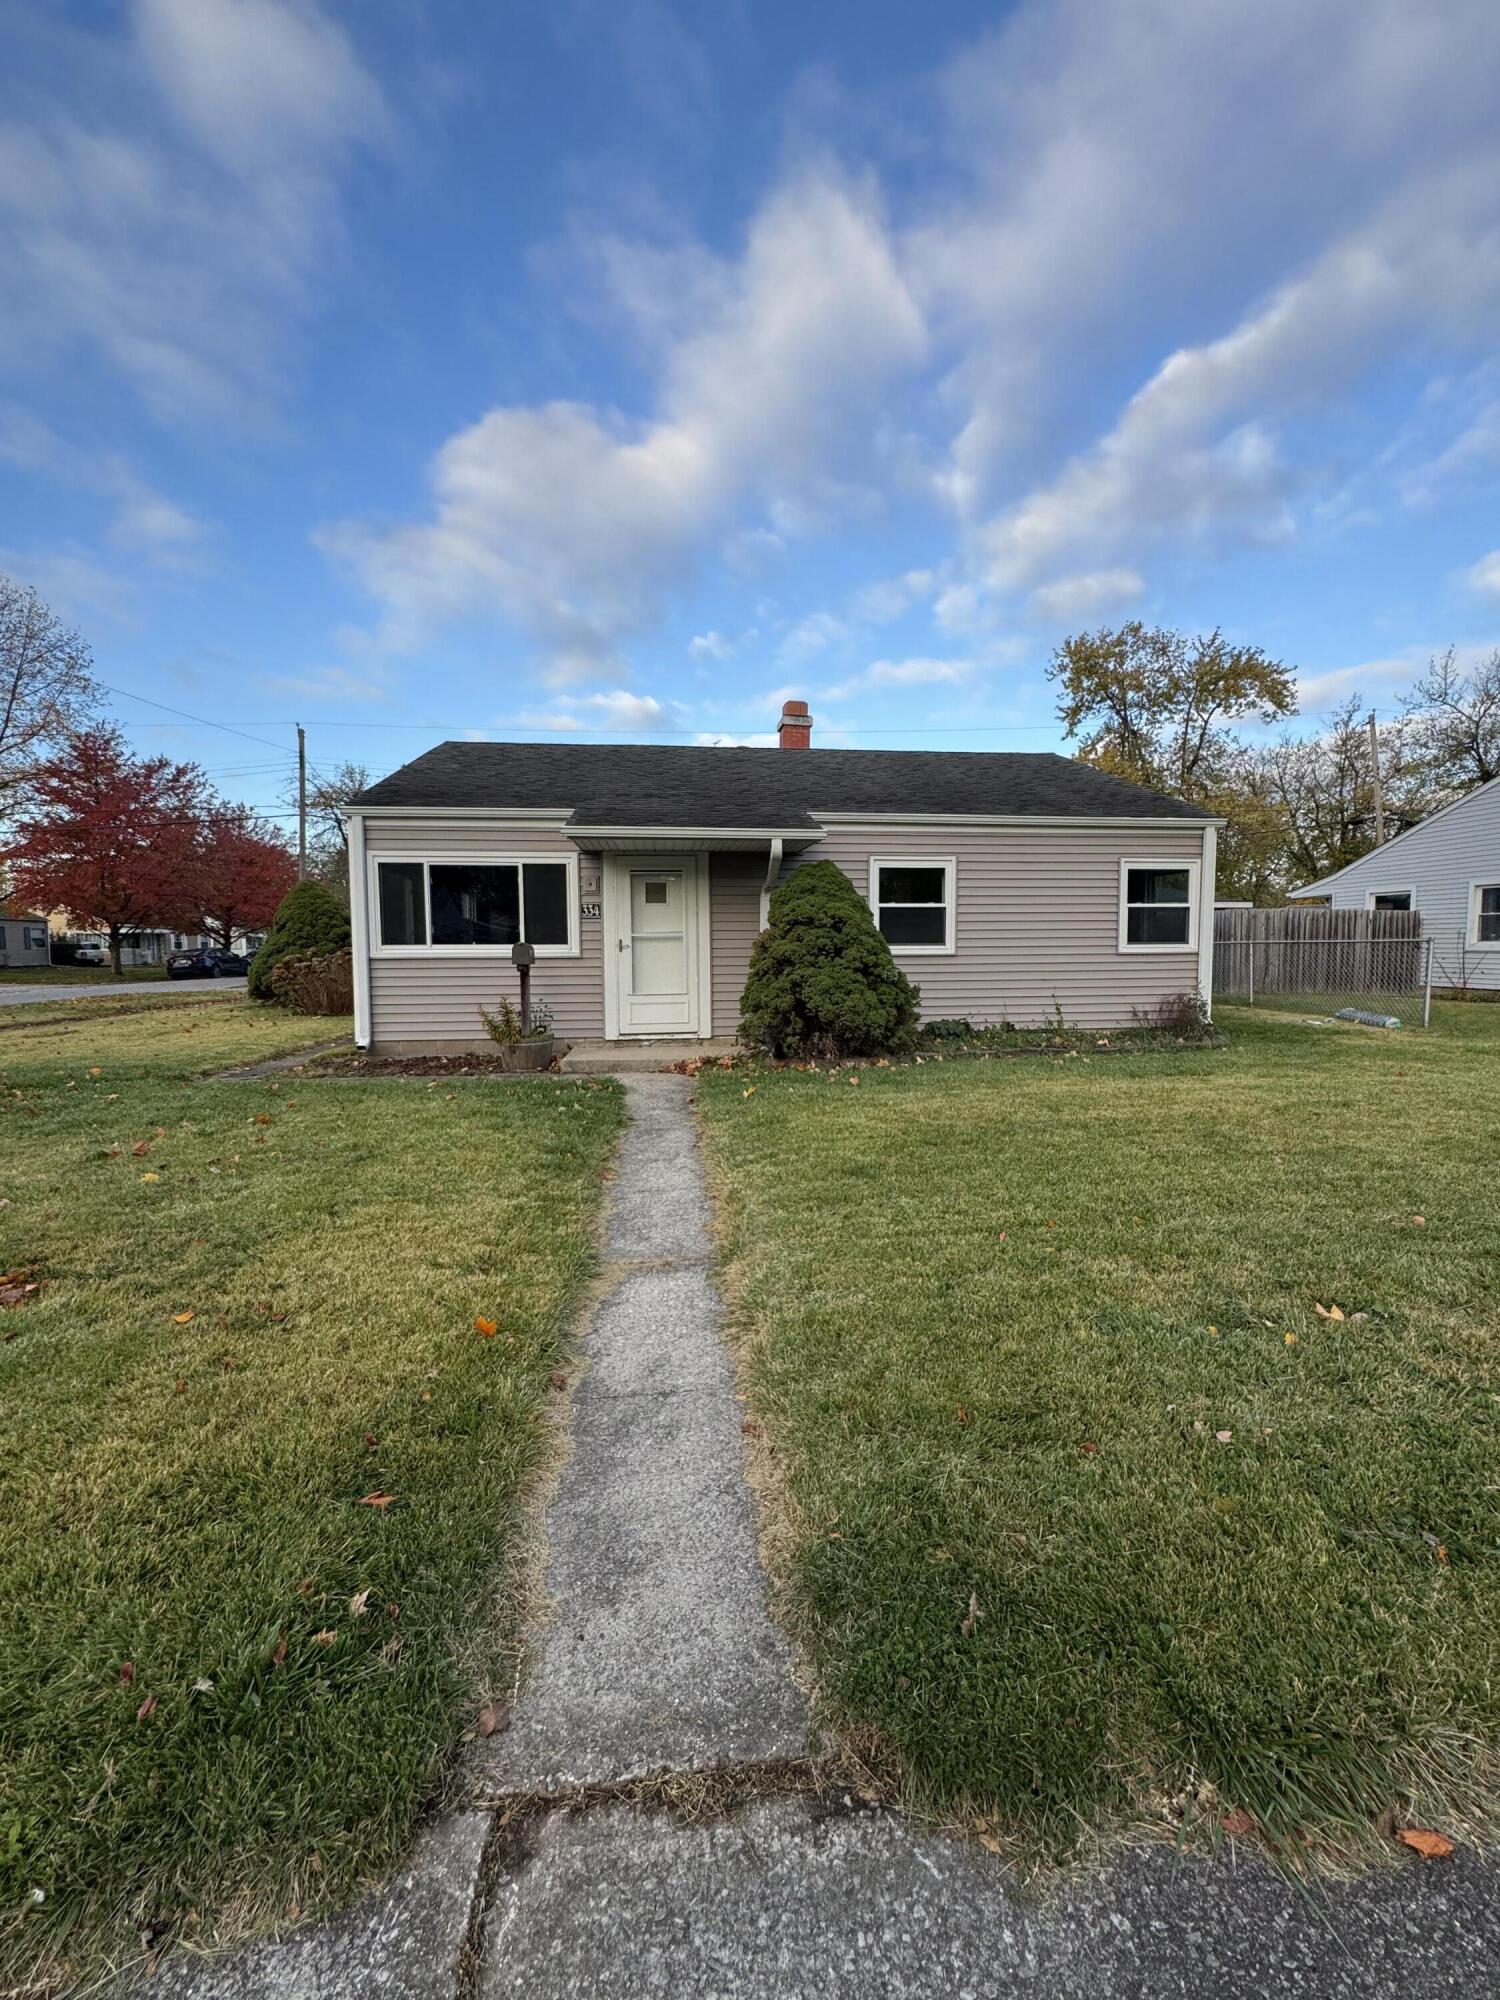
[
  {"x": 487, "y": 1327},
  {"x": 181, "y": 1319},
  {"x": 150, "y": 1702},
  {"x": 141, "y": 1148},
  {"x": 1237, "y": 1824},
  {"x": 377, "y": 1500},
  {"x": 1088, "y": 1448},
  {"x": 1422, "y": 1840},
  {"x": 493, "y": 1719}
]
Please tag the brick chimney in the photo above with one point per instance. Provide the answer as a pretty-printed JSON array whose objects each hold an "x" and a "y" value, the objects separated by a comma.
[{"x": 795, "y": 732}]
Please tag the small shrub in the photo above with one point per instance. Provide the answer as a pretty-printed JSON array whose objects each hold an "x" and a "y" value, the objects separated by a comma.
[
  {"x": 1182, "y": 1015},
  {"x": 822, "y": 980},
  {"x": 315, "y": 982},
  {"x": 504, "y": 1025},
  {"x": 948, "y": 1030},
  {"x": 309, "y": 923}
]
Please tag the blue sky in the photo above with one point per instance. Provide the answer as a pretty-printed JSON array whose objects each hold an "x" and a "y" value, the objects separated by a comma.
[{"x": 615, "y": 367}]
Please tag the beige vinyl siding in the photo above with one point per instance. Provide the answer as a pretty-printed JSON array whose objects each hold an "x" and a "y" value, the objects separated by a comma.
[
  {"x": 438, "y": 999},
  {"x": 735, "y": 882},
  {"x": 1037, "y": 919}
]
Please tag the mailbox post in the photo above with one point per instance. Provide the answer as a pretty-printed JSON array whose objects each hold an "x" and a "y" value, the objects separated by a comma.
[{"x": 522, "y": 957}]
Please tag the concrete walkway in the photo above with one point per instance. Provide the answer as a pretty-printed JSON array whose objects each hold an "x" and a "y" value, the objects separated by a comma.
[{"x": 650, "y": 1823}]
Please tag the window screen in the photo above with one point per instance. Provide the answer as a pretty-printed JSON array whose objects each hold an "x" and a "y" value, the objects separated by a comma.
[
  {"x": 911, "y": 903},
  {"x": 403, "y": 903},
  {"x": 1488, "y": 918},
  {"x": 1158, "y": 905}
]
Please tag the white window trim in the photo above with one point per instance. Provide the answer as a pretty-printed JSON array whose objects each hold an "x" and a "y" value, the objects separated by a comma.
[
  {"x": 1474, "y": 941},
  {"x": 1195, "y": 877},
  {"x": 949, "y": 865},
  {"x": 430, "y": 858},
  {"x": 1392, "y": 889}
]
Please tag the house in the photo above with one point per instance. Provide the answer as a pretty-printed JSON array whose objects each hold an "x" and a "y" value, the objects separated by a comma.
[
  {"x": 1009, "y": 886},
  {"x": 1448, "y": 869},
  {"x": 24, "y": 939}
]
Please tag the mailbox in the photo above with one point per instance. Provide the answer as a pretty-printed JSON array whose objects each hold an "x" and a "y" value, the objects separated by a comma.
[{"x": 523, "y": 954}]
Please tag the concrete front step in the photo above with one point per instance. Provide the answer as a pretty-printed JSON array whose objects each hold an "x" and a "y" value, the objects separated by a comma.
[{"x": 640, "y": 1058}]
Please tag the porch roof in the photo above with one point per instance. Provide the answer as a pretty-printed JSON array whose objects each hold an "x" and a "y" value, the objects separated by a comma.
[{"x": 632, "y": 839}]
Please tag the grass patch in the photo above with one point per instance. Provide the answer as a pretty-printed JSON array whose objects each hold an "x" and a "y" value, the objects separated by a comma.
[
  {"x": 181, "y": 1037},
  {"x": 994, "y": 1320},
  {"x": 77, "y": 975},
  {"x": 182, "y": 1495}
]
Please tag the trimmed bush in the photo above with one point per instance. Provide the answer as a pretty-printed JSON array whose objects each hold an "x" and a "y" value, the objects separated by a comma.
[
  {"x": 315, "y": 983},
  {"x": 822, "y": 980},
  {"x": 309, "y": 923}
]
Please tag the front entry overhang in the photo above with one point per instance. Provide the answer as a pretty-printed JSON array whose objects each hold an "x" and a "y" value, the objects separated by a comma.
[{"x": 690, "y": 840}]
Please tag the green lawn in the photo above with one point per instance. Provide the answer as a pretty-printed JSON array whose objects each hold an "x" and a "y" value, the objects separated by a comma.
[
  {"x": 227, "y": 1684},
  {"x": 78, "y": 975},
  {"x": 1041, "y": 1338}
]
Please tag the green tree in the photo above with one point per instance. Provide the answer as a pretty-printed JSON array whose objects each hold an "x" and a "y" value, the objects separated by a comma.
[
  {"x": 309, "y": 921},
  {"x": 1152, "y": 705},
  {"x": 822, "y": 980}
]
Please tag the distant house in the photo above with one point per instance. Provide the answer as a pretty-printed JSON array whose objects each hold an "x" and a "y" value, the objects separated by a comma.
[
  {"x": 1009, "y": 886},
  {"x": 1448, "y": 869},
  {"x": 24, "y": 937}
]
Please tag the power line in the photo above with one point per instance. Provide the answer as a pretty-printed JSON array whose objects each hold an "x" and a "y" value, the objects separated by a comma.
[{"x": 126, "y": 694}]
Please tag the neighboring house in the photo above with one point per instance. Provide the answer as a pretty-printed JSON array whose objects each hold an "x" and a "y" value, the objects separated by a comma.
[
  {"x": 1009, "y": 886},
  {"x": 1448, "y": 869},
  {"x": 24, "y": 938}
]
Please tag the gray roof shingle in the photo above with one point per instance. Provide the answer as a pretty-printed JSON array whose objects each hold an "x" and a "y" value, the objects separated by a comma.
[{"x": 657, "y": 784}]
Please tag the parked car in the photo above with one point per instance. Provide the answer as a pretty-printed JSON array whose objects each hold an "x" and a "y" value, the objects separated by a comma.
[
  {"x": 206, "y": 964},
  {"x": 90, "y": 954}
]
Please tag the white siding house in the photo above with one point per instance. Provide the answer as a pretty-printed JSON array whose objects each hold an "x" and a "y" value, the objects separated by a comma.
[{"x": 1448, "y": 869}]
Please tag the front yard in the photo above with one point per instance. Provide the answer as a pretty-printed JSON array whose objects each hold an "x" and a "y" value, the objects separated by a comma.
[
  {"x": 1084, "y": 1511},
  {"x": 257, "y": 1464}
]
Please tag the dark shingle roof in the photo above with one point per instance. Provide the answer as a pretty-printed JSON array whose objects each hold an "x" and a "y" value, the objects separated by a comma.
[{"x": 657, "y": 784}]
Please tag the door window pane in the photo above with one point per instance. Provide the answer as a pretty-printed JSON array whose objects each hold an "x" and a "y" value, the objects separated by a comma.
[
  {"x": 658, "y": 964},
  {"x": 403, "y": 914},
  {"x": 475, "y": 904},
  {"x": 546, "y": 891}
]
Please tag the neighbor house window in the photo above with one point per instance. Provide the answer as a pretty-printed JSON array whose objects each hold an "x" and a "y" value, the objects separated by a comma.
[
  {"x": 1392, "y": 899},
  {"x": 1484, "y": 913},
  {"x": 913, "y": 903},
  {"x": 1158, "y": 905},
  {"x": 459, "y": 905}
]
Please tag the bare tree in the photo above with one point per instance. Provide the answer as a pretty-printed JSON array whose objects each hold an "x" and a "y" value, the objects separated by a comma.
[
  {"x": 1455, "y": 723},
  {"x": 1322, "y": 789},
  {"x": 327, "y": 840},
  {"x": 47, "y": 686}
]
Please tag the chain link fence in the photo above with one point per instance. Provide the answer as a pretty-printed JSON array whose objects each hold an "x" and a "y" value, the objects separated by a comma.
[{"x": 1369, "y": 975}]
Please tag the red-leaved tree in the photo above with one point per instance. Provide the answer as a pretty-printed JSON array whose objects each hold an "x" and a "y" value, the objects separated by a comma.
[
  {"x": 110, "y": 838},
  {"x": 242, "y": 871}
]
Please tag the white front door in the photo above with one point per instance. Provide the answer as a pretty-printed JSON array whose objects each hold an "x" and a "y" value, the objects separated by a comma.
[{"x": 656, "y": 954}]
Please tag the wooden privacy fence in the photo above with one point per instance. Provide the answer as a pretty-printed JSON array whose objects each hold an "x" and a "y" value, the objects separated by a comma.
[{"x": 1317, "y": 951}]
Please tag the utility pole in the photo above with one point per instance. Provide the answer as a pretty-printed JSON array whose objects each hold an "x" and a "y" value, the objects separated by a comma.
[
  {"x": 1375, "y": 775},
  {"x": 302, "y": 800}
]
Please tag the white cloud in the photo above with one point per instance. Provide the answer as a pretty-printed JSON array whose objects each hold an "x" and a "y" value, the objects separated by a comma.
[
  {"x": 905, "y": 674},
  {"x": 817, "y": 633},
  {"x": 710, "y": 646},
  {"x": 765, "y": 739},
  {"x": 74, "y": 584},
  {"x": 617, "y": 708},
  {"x": 180, "y": 247},
  {"x": 335, "y": 684},
  {"x": 1485, "y": 575},
  {"x": 1090, "y": 591},
  {"x": 575, "y": 520},
  {"x": 892, "y": 597}
]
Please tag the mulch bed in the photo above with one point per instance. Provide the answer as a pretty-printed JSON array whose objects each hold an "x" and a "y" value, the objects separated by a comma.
[{"x": 350, "y": 1064}]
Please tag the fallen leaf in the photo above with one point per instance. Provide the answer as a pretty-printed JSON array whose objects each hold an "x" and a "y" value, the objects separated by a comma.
[
  {"x": 1335, "y": 1312},
  {"x": 150, "y": 1177},
  {"x": 127, "y": 1672},
  {"x": 487, "y": 1327},
  {"x": 182, "y": 1318},
  {"x": 1440, "y": 1554},
  {"x": 1088, "y": 1448},
  {"x": 377, "y": 1500},
  {"x": 750, "y": 1090},
  {"x": 1422, "y": 1840},
  {"x": 1290, "y": 1339},
  {"x": 358, "y": 1602},
  {"x": 558, "y": 1379},
  {"x": 96, "y": 1071},
  {"x": 1320, "y": 1309},
  {"x": 324, "y": 1638},
  {"x": 141, "y": 1148},
  {"x": 279, "y": 1654},
  {"x": 749, "y": 1428},
  {"x": 262, "y": 1117},
  {"x": 972, "y": 1617},
  {"x": 181, "y": 1386},
  {"x": 306, "y": 1587},
  {"x": 1420, "y": 1220},
  {"x": 149, "y": 1704},
  {"x": 960, "y": 1414},
  {"x": 203, "y": 1685},
  {"x": 493, "y": 1719},
  {"x": 1214, "y": 1331},
  {"x": 1223, "y": 1437},
  {"x": 1001, "y": 1237},
  {"x": 1237, "y": 1824},
  {"x": 371, "y": 1440}
]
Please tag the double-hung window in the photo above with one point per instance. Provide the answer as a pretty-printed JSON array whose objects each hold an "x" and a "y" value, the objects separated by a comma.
[
  {"x": 1159, "y": 905},
  {"x": 913, "y": 903},
  {"x": 452, "y": 904},
  {"x": 1484, "y": 914}
]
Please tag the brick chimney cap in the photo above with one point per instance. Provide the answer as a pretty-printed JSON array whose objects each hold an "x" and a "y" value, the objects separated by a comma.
[{"x": 794, "y": 708}]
